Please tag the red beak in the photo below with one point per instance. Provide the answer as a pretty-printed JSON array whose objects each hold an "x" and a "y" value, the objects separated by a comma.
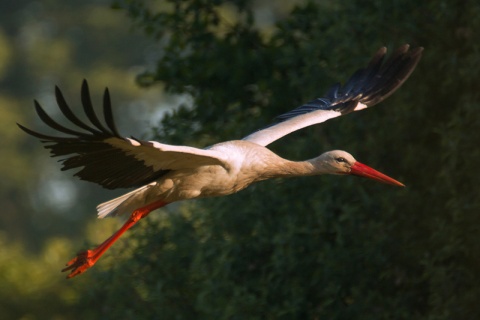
[{"x": 359, "y": 169}]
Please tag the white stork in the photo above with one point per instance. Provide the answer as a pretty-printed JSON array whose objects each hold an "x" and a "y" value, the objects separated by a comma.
[{"x": 163, "y": 173}]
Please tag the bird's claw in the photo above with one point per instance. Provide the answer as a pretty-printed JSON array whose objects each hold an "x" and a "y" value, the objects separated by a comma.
[{"x": 80, "y": 263}]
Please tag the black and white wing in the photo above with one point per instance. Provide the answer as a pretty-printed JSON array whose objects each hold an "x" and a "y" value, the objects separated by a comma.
[
  {"x": 107, "y": 158},
  {"x": 365, "y": 88}
]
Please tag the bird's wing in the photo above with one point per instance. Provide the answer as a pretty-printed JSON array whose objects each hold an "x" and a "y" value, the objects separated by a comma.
[
  {"x": 107, "y": 158},
  {"x": 365, "y": 88}
]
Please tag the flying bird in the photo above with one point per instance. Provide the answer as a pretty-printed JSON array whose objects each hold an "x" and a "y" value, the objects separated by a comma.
[{"x": 162, "y": 173}]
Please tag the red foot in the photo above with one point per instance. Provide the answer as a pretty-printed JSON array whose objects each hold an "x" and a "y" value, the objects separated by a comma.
[
  {"x": 80, "y": 263},
  {"x": 87, "y": 259}
]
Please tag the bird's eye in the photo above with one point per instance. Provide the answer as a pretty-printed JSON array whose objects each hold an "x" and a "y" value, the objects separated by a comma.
[{"x": 341, "y": 159}]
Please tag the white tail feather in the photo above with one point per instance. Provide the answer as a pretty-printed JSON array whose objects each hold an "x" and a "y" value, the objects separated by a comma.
[{"x": 119, "y": 205}]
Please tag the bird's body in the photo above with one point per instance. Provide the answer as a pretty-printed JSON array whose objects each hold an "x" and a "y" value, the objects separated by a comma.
[
  {"x": 235, "y": 172},
  {"x": 243, "y": 163},
  {"x": 163, "y": 173}
]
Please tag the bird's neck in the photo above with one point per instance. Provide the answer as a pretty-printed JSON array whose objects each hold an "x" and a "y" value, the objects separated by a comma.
[{"x": 287, "y": 168}]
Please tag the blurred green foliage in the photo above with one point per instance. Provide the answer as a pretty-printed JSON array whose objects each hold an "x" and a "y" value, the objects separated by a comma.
[
  {"x": 46, "y": 216},
  {"x": 306, "y": 248},
  {"x": 314, "y": 248}
]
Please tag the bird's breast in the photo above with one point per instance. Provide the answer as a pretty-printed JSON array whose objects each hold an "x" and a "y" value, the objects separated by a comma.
[{"x": 245, "y": 164}]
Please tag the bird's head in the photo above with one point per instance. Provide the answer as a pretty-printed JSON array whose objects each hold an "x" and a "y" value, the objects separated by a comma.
[{"x": 342, "y": 162}]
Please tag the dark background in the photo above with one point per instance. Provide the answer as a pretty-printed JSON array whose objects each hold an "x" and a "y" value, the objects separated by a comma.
[{"x": 305, "y": 248}]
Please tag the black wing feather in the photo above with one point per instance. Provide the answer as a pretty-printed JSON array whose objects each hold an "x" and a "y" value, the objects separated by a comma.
[
  {"x": 100, "y": 162},
  {"x": 108, "y": 114},
  {"x": 369, "y": 86},
  {"x": 88, "y": 107},
  {"x": 51, "y": 123},
  {"x": 67, "y": 112}
]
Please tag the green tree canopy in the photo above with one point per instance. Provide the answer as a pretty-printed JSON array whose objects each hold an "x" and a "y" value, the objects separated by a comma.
[
  {"x": 306, "y": 248},
  {"x": 313, "y": 248}
]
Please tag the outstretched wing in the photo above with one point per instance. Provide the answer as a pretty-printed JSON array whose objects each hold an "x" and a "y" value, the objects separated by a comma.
[
  {"x": 107, "y": 158},
  {"x": 365, "y": 88}
]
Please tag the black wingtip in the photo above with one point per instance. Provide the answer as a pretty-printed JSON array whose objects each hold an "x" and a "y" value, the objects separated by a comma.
[
  {"x": 108, "y": 113},
  {"x": 394, "y": 72},
  {"x": 22, "y": 127},
  {"x": 97, "y": 130},
  {"x": 85, "y": 88},
  {"x": 369, "y": 85},
  {"x": 88, "y": 108},
  {"x": 41, "y": 136},
  {"x": 381, "y": 79},
  {"x": 30, "y": 132},
  {"x": 52, "y": 123}
]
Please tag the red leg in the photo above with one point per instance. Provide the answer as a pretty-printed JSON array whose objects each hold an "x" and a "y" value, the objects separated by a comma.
[{"x": 87, "y": 259}]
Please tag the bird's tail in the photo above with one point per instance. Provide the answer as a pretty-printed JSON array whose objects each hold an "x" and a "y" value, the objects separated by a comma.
[{"x": 125, "y": 203}]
